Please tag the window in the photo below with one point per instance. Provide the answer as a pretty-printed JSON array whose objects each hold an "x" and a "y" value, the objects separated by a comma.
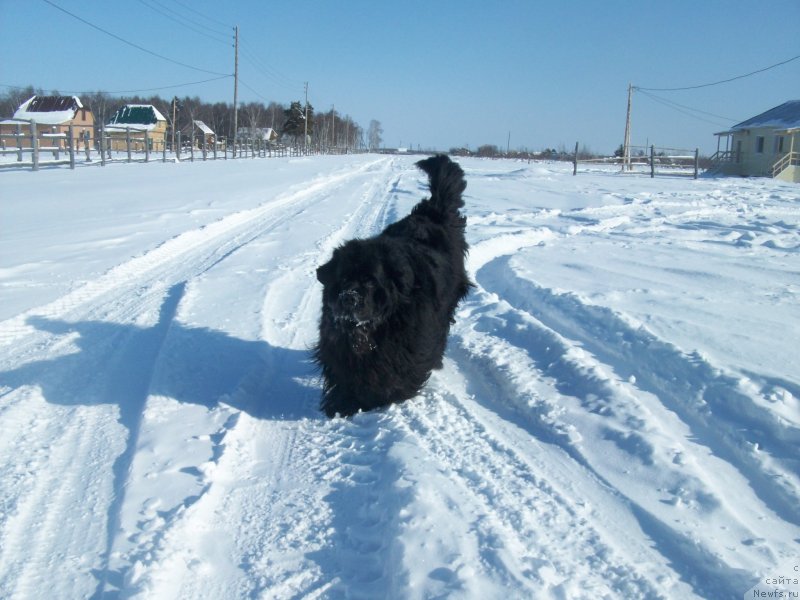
[
  {"x": 778, "y": 144},
  {"x": 760, "y": 144}
]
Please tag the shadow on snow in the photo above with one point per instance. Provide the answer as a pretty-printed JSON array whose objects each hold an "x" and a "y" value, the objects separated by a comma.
[{"x": 123, "y": 364}]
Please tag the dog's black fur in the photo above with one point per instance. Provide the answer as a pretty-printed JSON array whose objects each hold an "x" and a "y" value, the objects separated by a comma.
[{"x": 388, "y": 301}]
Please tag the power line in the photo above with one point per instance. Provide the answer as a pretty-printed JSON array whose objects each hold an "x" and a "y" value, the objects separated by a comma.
[
  {"x": 678, "y": 107},
  {"x": 274, "y": 81},
  {"x": 154, "y": 89},
  {"x": 250, "y": 54},
  {"x": 124, "y": 41},
  {"x": 226, "y": 29},
  {"x": 254, "y": 91},
  {"x": 695, "y": 87},
  {"x": 198, "y": 13},
  {"x": 180, "y": 21}
]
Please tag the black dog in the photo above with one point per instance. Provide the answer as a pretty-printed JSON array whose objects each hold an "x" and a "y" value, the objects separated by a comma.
[{"x": 388, "y": 301}]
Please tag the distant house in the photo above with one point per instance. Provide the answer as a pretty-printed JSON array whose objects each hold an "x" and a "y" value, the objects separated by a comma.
[
  {"x": 203, "y": 134},
  {"x": 259, "y": 133},
  {"x": 767, "y": 145},
  {"x": 136, "y": 120},
  {"x": 52, "y": 115}
]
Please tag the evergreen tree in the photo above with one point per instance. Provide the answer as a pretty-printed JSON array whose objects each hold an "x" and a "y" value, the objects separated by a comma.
[{"x": 294, "y": 121}]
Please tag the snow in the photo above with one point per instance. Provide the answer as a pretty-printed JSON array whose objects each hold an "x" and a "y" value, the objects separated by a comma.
[{"x": 618, "y": 415}]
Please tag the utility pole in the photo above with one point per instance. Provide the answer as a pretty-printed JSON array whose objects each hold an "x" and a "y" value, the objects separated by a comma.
[
  {"x": 305, "y": 135},
  {"x": 333, "y": 111},
  {"x": 235, "y": 88},
  {"x": 174, "y": 110},
  {"x": 626, "y": 146}
]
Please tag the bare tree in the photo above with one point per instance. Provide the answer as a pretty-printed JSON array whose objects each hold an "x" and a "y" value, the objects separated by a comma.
[
  {"x": 218, "y": 118},
  {"x": 14, "y": 97},
  {"x": 102, "y": 107},
  {"x": 254, "y": 114},
  {"x": 275, "y": 115},
  {"x": 374, "y": 134}
]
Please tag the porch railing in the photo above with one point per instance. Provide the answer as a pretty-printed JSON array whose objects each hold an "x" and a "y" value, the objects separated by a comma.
[
  {"x": 787, "y": 160},
  {"x": 720, "y": 159}
]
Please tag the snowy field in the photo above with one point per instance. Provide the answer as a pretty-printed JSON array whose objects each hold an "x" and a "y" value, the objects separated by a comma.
[{"x": 618, "y": 415}]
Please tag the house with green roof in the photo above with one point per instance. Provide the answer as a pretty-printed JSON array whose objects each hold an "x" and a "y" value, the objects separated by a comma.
[
  {"x": 767, "y": 145},
  {"x": 139, "y": 122}
]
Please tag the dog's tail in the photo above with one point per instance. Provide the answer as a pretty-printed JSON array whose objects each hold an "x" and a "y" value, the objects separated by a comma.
[{"x": 446, "y": 183}]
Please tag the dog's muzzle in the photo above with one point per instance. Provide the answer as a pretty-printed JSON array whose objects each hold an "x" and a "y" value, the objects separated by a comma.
[
  {"x": 348, "y": 309},
  {"x": 350, "y": 300}
]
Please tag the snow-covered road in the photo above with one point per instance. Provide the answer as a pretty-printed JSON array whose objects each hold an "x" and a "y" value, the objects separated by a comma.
[{"x": 618, "y": 415}]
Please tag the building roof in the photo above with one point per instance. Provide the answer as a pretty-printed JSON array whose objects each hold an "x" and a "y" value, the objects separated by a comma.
[
  {"x": 49, "y": 110},
  {"x": 785, "y": 116},
  {"x": 203, "y": 127},
  {"x": 136, "y": 116},
  {"x": 266, "y": 133}
]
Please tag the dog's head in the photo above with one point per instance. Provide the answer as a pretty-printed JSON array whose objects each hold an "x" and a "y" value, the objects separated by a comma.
[{"x": 364, "y": 283}]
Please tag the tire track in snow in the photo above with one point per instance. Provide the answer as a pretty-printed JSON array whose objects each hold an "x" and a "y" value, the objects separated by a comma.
[
  {"x": 503, "y": 371},
  {"x": 363, "y": 521},
  {"x": 360, "y": 556},
  {"x": 711, "y": 403},
  {"x": 256, "y": 385},
  {"x": 107, "y": 321},
  {"x": 502, "y": 344},
  {"x": 508, "y": 491},
  {"x": 345, "y": 455},
  {"x": 136, "y": 365},
  {"x": 286, "y": 317},
  {"x": 534, "y": 402},
  {"x": 87, "y": 438},
  {"x": 175, "y": 260},
  {"x": 348, "y": 456},
  {"x": 267, "y": 483},
  {"x": 32, "y": 515}
]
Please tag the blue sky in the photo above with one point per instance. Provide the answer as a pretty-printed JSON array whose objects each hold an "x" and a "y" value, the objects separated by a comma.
[{"x": 435, "y": 73}]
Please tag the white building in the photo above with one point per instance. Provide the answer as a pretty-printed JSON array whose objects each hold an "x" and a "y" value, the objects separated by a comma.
[{"x": 767, "y": 145}]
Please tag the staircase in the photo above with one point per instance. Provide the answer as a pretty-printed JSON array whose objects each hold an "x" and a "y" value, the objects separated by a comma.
[
  {"x": 791, "y": 159},
  {"x": 719, "y": 160}
]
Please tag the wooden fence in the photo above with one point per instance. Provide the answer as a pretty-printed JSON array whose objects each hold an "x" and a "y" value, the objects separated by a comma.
[
  {"x": 55, "y": 144},
  {"x": 652, "y": 160},
  {"x": 131, "y": 145}
]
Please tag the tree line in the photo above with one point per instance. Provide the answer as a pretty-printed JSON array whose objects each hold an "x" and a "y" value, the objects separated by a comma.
[
  {"x": 494, "y": 151},
  {"x": 325, "y": 129}
]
